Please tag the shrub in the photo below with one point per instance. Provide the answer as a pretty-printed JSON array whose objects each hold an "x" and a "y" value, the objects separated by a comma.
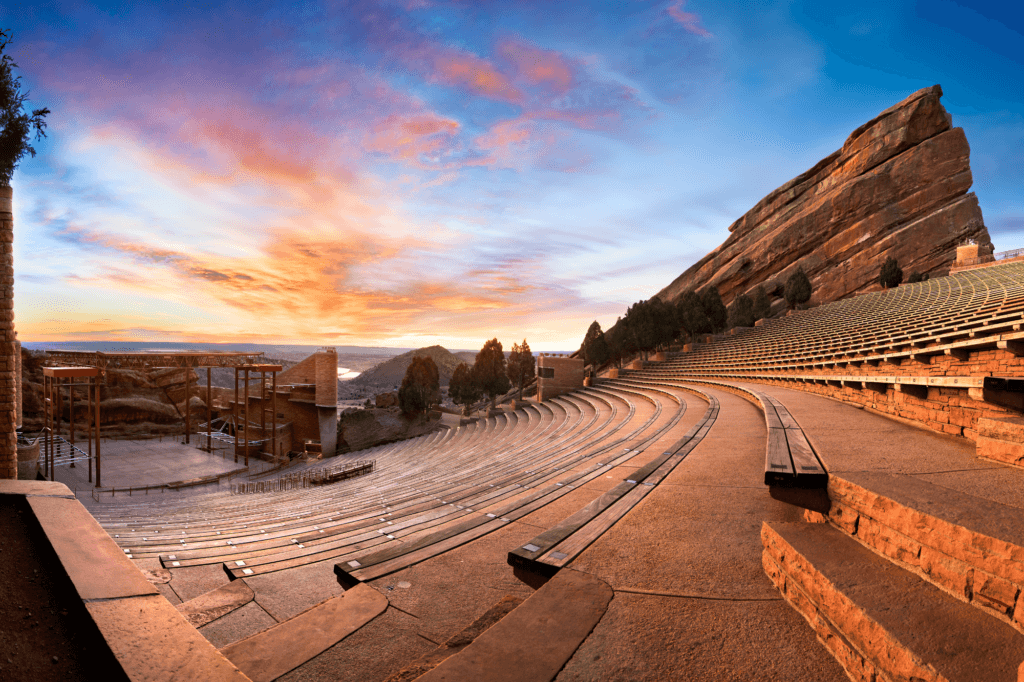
[
  {"x": 917, "y": 277},
  {"x": 891, "y": 275}
]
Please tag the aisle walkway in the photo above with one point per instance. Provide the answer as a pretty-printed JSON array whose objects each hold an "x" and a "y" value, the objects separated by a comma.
[
  {"x": 853, "y": 439},
  {"x": 692, "y": 601}
]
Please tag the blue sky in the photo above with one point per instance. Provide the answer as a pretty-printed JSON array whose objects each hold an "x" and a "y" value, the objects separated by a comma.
[{"x": 410, "y": 172}]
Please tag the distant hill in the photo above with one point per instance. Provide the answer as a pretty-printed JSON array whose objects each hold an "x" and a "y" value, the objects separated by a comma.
[{"x": 391, "y": 372}]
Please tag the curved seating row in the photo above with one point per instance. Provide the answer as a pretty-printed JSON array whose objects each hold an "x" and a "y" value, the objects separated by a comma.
[
  {"x": 426, "y": 495},
  {"x": 950, "y": 316}
]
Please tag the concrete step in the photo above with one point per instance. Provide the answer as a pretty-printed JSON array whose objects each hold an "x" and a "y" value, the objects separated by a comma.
[
  {"x": 270, "y": 654},
  {"x": 880, "y": 621},
  {"x": 968, "y": 546},
  {"x": 216, "y": 603},
  {"x": 534, "y": 641}
]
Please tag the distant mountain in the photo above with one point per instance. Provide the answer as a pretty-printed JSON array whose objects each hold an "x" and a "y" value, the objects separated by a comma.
[
  {"x": 466, "y": 356},
  {"x": 391, "y": 372}
]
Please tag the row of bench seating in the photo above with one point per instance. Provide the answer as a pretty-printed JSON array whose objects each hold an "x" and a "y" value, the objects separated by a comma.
[
  {"x": 955, "y": 315},
  {"x": 427, "y": 494}
]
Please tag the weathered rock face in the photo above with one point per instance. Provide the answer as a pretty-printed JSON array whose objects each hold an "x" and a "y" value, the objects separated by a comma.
[
  {"x": 898, "y": 187},
  {"x": 360, "y": 429}
]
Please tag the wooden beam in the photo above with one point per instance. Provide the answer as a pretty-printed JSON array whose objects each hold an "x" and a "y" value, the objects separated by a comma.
[
  {"x": 961, "y": 354},
  {"x": 1015, "y": 347},
  {"x": 188, "y": 410}
]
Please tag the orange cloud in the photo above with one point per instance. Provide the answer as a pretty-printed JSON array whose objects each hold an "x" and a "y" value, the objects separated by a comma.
[
  {"x": 413, "y": 137},
  {"x": 307, "y": 285},
  {"x": 476, "y": 74},
  {"x": 514, "y": 143},
  {"x": 538, "y": 66}
]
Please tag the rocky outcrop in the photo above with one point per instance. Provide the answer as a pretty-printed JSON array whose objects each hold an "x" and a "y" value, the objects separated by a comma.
[
  {"x": 898, "y": 187},
  {"x": 360, "y": 429}
]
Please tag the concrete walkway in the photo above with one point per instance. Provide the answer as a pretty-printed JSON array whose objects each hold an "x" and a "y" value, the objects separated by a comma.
[
  {"x": 691, "y": 600},
  {"x": 852, "y": 439}
]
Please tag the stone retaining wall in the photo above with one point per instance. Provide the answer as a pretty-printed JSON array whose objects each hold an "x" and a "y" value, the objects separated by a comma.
[
  {"x": 803, "y": 587},
  {"x": 944, "y": 409},
  {"x": 974, "y": 568}
]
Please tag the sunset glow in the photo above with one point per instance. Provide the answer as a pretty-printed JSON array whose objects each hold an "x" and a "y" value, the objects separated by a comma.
[{"x": 403, "y": 173}]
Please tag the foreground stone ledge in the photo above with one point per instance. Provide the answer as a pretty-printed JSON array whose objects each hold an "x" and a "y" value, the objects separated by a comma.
[
  {"x": 1001, "y": 439},
  {"x": 879, "y": 621},
  {"x": 148, "y": 637},
  {"x": 969, "y": 547},
  {"x": 152, "y": 641},
  {"x": 35, "y": 489},
  {"x": 208, "y": 607},
  {"x": 830, "y": 613}
]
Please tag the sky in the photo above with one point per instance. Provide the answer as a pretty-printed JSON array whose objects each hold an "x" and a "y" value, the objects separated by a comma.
[{"x": 409, "y": 172}]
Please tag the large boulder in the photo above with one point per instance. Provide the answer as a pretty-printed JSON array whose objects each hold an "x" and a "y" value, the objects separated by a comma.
[{"x": 898, "y": 187}]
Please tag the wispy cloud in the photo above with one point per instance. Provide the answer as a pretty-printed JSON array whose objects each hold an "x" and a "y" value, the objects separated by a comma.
[{"x": 688, "y": 20}]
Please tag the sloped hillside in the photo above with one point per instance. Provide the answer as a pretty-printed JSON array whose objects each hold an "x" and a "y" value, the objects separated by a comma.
[{"x": 391, "y": 372}]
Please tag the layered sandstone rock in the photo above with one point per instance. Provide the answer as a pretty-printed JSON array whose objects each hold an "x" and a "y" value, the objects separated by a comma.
[{"x": 898, "y": 187}]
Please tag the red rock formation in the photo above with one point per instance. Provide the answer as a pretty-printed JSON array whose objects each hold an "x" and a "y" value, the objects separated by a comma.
[{"x": 898, "y": 187}]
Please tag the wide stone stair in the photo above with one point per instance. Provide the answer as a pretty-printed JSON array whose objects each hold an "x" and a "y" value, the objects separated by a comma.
[{"x": 907, "y": 580}]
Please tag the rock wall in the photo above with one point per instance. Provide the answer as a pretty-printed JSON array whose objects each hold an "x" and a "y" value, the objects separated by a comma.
[
  {"x": 361, "y": 429},
  {"x": 898, "y": 187}
]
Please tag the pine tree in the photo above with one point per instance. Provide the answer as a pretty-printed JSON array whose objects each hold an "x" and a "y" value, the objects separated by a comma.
[
  {"x": 521, "y": 365},
  {"x": 595, "y": 350},
  {"x": 714, "y": 309},
  {"x": 489, "y": 370},
  {"x": 462, "y": 388},
  {"x": 798, "y": 288},
  {"x": 15, "y": 124},
  {"x": 690, "y": 314},
  {"x": 420, "y": 387},
  {"x": 762, "y": 304},
  {"x": 891, "y": 275},
  {"x": 741, "y": 312}
]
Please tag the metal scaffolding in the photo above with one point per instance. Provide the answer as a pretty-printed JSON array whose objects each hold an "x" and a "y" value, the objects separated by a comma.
[
  {"x": 98, "y": 362},
  {"x": 53, "y": 381}
]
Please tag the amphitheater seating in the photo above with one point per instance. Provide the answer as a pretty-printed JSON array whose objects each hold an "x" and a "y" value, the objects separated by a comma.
[
  {"x": 939, "y": 326},
  {"x": 426, "y": 495},
  {"x": 790, "y": 460},
  {"x": 439, "y": 491}
]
